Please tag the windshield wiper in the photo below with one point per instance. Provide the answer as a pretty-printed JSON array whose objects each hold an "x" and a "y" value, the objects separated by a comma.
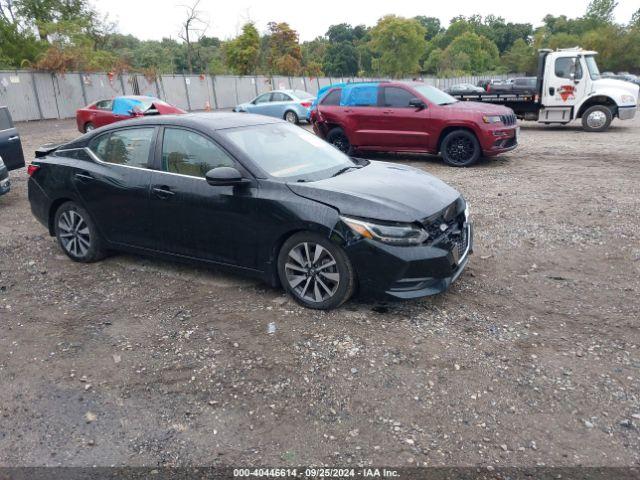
[{"x": 343, "y": 170}]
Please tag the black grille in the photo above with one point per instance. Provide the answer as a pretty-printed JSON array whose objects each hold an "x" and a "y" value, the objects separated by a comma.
[{"x": 508, "y": 119}]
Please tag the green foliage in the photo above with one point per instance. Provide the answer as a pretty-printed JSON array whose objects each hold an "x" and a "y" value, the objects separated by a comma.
[
  {"x": 397, "y": 44},
  {"x": 241, "y": 54},
  {"x": 470, "y": 52},
  {"x": 521, "y": 57}
]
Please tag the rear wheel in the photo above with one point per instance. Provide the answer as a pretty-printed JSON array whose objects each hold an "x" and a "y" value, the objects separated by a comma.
[
  {"x": 597, "y": 118},
  {"x": 77, "y": 234},
  {"x": 338, "y": 139},
  {"x": 291, "y": 117},
  {"x": 460, "y": 148},
  {"x": 315, "y": 272},
  {"x": 88, "y": 127}
]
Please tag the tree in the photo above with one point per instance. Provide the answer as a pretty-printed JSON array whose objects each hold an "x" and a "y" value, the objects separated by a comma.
[
  {"x": 341, "y": 59},
  {"x": 284, "y": 55},
  {"x": 192, "y": 27},
  {"x": 470, "y": 52},
  {"x": 397, "y": 44},
  {"x": 241, "y": 54},
  {"x": 312, "y": 54},
  {"x": 601, "y": 11},
  {"x": 431, "y": 26},
  {"x": 521, "y": 57}
]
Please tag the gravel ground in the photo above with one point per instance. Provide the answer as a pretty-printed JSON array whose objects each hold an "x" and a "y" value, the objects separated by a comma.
[{"x": 531, "y": 358}]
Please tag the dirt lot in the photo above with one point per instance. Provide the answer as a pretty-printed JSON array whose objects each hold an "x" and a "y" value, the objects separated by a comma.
[{"x": 531, "y": 358}]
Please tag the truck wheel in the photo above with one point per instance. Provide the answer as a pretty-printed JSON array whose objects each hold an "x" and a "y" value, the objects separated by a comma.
[
  {"x": 460, "y": 148},
  {"x": 338, "y": 139},
  {"x": 597, "y": 118}
]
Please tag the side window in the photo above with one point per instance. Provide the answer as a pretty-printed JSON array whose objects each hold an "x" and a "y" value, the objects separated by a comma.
[
  {"x": 264, "y": 98},
  {"x": 280, "y": 97},
  {"x": 189, "y": 153},
  {"x": 568, "y": 65},
  {"x": 104, "y": 104},
  {"x": 5, "y": 119},
  {"x": 397, "y": 97},
  {"x": 333, "y": 97},
  {"x": 128, "y": 147}
]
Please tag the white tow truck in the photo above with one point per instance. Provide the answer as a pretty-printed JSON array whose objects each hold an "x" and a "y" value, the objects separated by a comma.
[{"x": 569, "y": 87}]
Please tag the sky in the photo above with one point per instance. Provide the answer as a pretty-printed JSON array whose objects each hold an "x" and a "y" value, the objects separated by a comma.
[{"x": 162, "y": 18}]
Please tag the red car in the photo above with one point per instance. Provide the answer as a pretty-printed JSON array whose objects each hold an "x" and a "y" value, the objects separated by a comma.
[
  {"x": 104, "y": 112},
  {"x": 413, "y": 117}
]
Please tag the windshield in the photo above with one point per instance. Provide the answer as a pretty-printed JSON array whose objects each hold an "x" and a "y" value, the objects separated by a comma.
[
  {"x": 592, "y": 66},
  {"x": 288, "y": 152},
  {"x": 434, "y": 95}
]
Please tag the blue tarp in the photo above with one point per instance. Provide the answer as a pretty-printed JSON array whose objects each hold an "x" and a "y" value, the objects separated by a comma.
[
  {"x": 124, "y": 105},
  {"x": 359, "y": 94}
]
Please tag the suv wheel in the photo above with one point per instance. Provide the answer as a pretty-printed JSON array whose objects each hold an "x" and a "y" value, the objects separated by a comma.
[
  {"x": 77, "y": 234},
  {"x": 315, "y": 272},
  {"x": 338, "y": 139},
  {"x": 460, "y": 148},
  {"x": 597, "y": 118}
]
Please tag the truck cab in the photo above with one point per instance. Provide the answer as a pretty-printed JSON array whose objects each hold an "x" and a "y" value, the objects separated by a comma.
[{"x": 570, "y": 87}]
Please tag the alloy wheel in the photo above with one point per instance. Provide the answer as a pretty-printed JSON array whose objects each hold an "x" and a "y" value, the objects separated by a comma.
[
  {"x": 596, "y": 119},
  {"x": 341, "y": 143},
  {"x": 291, "y": 117},
  {"x": 312, "y": 272},
  {"x": 460, "y": 149},
  {"x": 74, "y": 233}
]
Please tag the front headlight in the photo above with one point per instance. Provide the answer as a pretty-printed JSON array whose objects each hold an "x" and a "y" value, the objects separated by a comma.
[
  {"x": 628, "y": 99},
  {"x": 404, "y": 234},
  {"x": 491, "y": 119}
]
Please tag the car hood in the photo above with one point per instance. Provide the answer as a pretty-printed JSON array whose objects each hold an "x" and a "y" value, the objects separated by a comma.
[
  {"x": 381, "y": 191},
  {"x": 630, "y": 87},
  {"x": 478, "y": 107}
]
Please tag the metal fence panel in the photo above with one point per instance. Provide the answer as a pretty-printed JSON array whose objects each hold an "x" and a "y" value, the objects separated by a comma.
[
  {"x": 298, "y": 83},
  {"x": 46, "y": 95},
  {"x": 225, "y": 86},
  {"x": 174, "y": 90},
  {"x": 69, "y": 94},
  {"x": 281, "y": 83},
  {"x": 199, "y": 94},
  {"x": 246, "y": 88},
  {"x": 324, "y": 82},
  {"x": 264, "y": 84},
  {"x": 18, "y": 95},
  {"x": 311, "y": 85},
  {"x": 100, "y": 86}
]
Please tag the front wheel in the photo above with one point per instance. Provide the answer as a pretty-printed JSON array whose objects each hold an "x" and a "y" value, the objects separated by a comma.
[
  {"x": 460, "y": 148},
  {"x": 88, "y": 127},
  {"x": 77, "y": 234},
  {"x": 597, "y": 118},
  {"x": 315, "y": 272}
]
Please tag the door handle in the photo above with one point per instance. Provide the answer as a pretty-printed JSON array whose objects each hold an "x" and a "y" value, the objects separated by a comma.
[
  {"x": 163, "y": 192},
  {"x": 552, "y": 91},
  {"x": 83, "y": 176},
  {"x": 14, "y": 138},
  {"x": 387, "y": 112}
]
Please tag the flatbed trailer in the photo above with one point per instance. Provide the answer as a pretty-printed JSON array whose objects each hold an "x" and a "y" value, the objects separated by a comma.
[{"x": 569, "y": 87}]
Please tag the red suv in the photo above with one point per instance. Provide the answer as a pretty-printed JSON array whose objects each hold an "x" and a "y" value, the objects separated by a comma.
[{"x": 413, "y": 117}]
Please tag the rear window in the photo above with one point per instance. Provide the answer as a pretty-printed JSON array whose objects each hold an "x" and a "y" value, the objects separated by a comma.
[
  {"x": 333, "y": 97},
  {"x": 5, "y": 119}
]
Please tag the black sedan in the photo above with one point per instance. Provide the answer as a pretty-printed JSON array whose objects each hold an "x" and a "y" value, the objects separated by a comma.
[{"x": 256, "y": 194}]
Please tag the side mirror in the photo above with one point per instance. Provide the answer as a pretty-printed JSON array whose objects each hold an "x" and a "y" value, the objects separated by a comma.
[
  {"x": 417, "y": 103},
  {"x": 225, "y": 176}
]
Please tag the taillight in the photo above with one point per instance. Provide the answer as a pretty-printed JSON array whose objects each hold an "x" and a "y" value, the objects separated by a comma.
[
  {"x": 32, "y": 168},
  {"x": 306, "y": 104}
]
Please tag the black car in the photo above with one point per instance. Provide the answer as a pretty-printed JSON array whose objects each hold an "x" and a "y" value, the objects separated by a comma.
[
  {"x": 257, "y": 194},
  {"x": 5, "y": 184},
  {"x": 11, "y": 156}
]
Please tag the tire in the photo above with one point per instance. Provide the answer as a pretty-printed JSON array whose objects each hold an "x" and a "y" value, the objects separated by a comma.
[
  {"x": 460, "y": 148},
  {"x": 339, "y": 139},
  {"x": 88, "y": 127},
  {"x": 597, "y": 118},
  {"x": 291, "y": 117},
  {"x": 320, "y": 279},
  {"x": 77, "y": 235}
]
